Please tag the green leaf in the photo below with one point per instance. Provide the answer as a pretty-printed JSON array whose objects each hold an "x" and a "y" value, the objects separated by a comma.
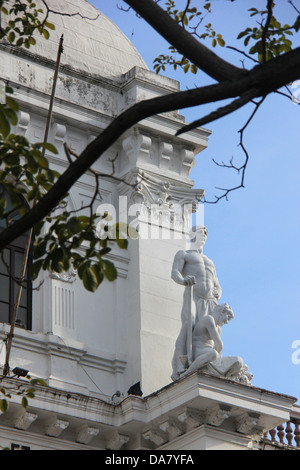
[
  {"x": 42, "y": 161},
  {"x": 89, "y": 279},
  {"x": 110, "y": 271},
  {"x": 247, "y": 39},
  {"x": 12, "y": 104},
  {"x": 33, "y": 194},
  {"x": 297, "y": 24},
  {"x": 11, "y": 37},
  {"x": 57, "y": 260},
  {"x": 39, "y": 249},
  {"x": 50, "y": 25},
  {"x": 46, "y": 34},
  {"x": 97, "y": 270},
  {"x": 185, "y": 20},
  {"x": 3, "y": 405},
  {"x": 30, "y": 393},
  {"x": 42, "y": 382},
  {"x": 47, "y": 146},
  {"x": 9, "y": 90},
  {"x": 4, "y": 123},
  {"x": 242, "y": 34},
  {"x": 12, "y": 116},
  {"x": 122, "y": 243},
  {"x": 75, "y": 225},
  {"x": 24, "y": 402}
]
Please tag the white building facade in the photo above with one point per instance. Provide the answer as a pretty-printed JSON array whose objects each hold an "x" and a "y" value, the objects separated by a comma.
[{"x": 91, "y": 348}]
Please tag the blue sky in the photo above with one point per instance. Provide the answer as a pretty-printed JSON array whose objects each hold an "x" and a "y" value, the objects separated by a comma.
[{"x": 253, "y": 238}]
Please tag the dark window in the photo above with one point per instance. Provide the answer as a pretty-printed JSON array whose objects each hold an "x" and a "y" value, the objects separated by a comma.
[
  {"x": 11, "y": 262},
  {"x": 18, "y": 447}
]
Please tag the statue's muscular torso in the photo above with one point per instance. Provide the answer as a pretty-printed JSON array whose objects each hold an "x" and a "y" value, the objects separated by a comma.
[{"x": 193, "y": 263}]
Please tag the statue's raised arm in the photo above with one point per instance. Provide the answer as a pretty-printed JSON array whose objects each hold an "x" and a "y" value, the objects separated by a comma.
[{"x": 177, "y": 270}]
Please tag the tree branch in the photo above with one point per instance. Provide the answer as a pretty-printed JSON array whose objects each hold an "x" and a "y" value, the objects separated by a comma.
[
  {"x": 187, "y": 6},
  {"x": 244, "y": 53},
  {"x": 243, "y": 167},
  {"x": 266, "y": 27},
  {"x": 295, "y": 8},
  {"x": 221, "y": 112},
  {"x": 77, "y": 13},
  {"x": 184, "y": 42},
  {"x": 264, "y": 78}
]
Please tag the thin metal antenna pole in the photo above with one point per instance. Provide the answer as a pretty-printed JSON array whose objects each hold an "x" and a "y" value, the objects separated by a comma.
[
  {"x": 10, "y": 335},
  {"x": 60, "y": 51}
]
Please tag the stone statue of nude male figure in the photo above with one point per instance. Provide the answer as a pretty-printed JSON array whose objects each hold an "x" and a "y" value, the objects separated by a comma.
[
  {"x": 193, "y": 268},
  {"x": 203, "y": 316}
]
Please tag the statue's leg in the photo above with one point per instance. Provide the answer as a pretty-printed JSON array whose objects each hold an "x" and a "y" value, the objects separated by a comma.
[
  {"x": 202, "y": 359},
  {"x": 237, "y": 365}
]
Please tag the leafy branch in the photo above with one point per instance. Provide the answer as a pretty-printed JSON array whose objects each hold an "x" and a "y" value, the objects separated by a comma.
[
  {"x": 24, "y": 19},
  {"x": 69, "y": 240},
  {"x": 270, "y": 36},
  {"x": 239, "y": 84},
  {"x": 192, "y": 18},
  {"x": 25, "y": 177},
  {"x": 19, "y": 389}
]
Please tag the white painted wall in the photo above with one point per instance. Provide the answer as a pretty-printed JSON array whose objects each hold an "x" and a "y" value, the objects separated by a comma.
[{"x": 126, "y": 331}]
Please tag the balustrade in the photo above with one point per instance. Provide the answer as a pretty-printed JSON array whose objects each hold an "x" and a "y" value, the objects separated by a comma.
[{"x": 286, "y": 434}]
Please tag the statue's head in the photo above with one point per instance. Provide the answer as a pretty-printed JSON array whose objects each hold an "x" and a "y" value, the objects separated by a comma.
[
  {"x": 223, "y": 314},
  {"x": 198, "y": 236}
]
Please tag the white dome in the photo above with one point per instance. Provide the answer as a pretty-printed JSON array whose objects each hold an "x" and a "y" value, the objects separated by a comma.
[{"x": 92, "y": 43}]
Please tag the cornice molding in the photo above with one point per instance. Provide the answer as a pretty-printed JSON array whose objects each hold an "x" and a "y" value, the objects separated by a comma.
[{"x": 162, "y": 420}]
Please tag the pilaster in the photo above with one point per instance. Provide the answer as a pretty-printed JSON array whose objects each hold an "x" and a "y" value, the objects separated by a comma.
[{"x": 157, "y": 199}]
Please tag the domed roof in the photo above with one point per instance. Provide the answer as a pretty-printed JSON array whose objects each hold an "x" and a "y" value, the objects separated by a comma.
[{"x": 92, "y": 43}]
